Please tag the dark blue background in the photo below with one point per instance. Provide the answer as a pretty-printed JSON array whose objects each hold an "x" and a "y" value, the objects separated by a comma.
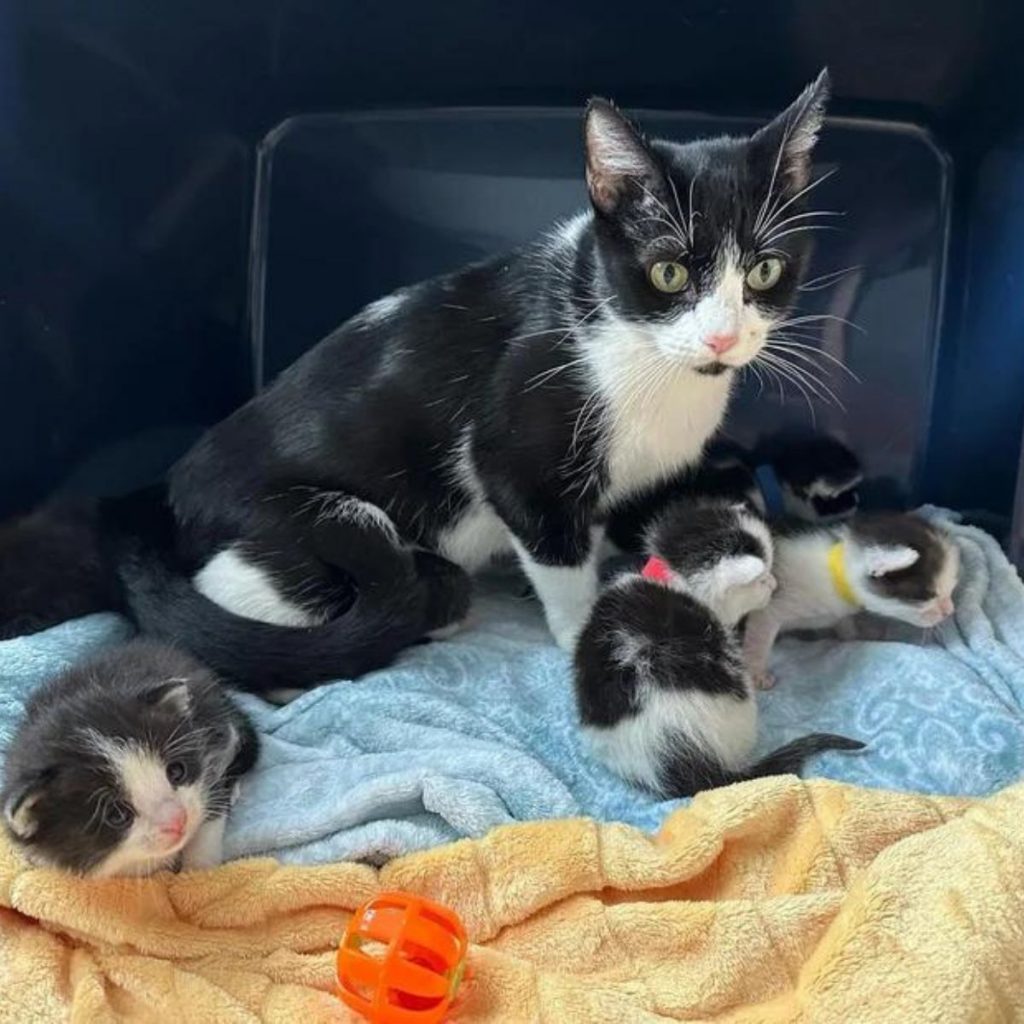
[{"x": 128, "y": 142}]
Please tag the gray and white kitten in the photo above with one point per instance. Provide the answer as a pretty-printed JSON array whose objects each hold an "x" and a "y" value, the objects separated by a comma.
[
  {"x": 663, "y": 694},
  {"x": 126, "y": 764},
  {"x": 897, "y": 566}
]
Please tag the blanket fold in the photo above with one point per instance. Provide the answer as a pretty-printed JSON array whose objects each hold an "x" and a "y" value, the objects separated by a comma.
[{"x": 774, "y": 900}]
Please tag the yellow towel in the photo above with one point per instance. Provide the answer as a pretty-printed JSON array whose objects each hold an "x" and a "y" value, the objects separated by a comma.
[{"x": 770, "y": 901}]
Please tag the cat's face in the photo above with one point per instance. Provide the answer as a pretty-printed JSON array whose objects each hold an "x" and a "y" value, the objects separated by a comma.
[
  {"x": 118, "y": 791},
  {"x": 702, "y": 245},
  {"x": 902, "y": 568},
  {"x": 719, "y": 553}
]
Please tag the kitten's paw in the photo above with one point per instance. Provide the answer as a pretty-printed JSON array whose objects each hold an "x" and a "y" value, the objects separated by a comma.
[{"x": 763, "y": 680}]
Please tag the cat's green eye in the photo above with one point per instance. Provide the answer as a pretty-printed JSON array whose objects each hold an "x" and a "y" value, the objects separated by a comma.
[
  {"x": 669, "y": 277},
  {"x": 765, "y": 274}
]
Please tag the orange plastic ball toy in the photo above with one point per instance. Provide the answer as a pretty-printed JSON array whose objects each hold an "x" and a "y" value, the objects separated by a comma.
[{"x": 401, "y": 960}]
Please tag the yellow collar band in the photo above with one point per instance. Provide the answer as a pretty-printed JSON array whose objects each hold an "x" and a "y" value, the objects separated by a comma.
[{"x": 837, "y": 570}]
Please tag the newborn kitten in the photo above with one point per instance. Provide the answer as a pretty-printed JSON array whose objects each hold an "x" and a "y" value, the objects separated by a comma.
[
  {"x": 662, "y": 691},
  {"x": 897, "y": 566},
  {"x": 126, "y": 763},
  {"x": 813, "y": 477},
  {"x": 818, "y": 475}
]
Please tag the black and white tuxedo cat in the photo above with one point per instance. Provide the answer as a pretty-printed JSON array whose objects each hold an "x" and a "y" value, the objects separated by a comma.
[{"x": 510, "y": 405}]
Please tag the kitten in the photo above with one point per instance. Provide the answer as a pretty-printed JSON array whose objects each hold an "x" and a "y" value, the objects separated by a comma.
[
  {"x": 810, "y": 477},
  {"x": 508, "y": 406},
  {"x": 663, "y": 694},
  {"x": 818, "y": 475},
  {"x": 897, "y": 566},
  {"x": 126, "y": 764}
]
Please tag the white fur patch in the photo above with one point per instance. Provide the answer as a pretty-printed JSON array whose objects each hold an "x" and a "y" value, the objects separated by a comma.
[
  {"x": 637, "y": 746},
  {"x": 363, "y": 514},
  {"x": 658, "y": 414},
  {"x": 237, "y": 585},
  {"x": 478, "y": 535},
  {"x": 566, "y": 592},
  {"x": 142, "y": 776}
]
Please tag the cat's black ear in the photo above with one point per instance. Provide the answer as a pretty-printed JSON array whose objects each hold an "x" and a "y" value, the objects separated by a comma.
[
  {"x": 20, "y": 808},
  {"x": 172, "y": 695},
  {"x": 784, "y": 145},
  {"x": 617, "y": 156}
]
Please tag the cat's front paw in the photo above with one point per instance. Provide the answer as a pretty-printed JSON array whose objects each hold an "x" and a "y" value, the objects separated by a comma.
[{"x": 763, "y": 680}]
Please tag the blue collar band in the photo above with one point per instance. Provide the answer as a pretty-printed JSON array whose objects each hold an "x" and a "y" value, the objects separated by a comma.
[{"x": 771, "y": 492}]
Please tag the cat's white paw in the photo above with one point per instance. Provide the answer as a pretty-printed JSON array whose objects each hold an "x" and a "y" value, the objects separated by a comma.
[{"x": 763, "y": 680}]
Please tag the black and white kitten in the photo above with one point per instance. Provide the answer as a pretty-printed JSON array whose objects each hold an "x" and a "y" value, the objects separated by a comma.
[
  {"x": 818, "y": 475},
  {"x": 897, "y": 566},
  {"x": 126, "y": 764},
  {"x": 663, "y": 694},
  {"x": 509, "y": 406},
  {"x": 812, "y": 477}
]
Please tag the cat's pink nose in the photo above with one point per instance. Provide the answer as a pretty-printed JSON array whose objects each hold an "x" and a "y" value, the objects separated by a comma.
[
  {"x": 172, "y": 823},
  {"x": 719, "y": 343}
]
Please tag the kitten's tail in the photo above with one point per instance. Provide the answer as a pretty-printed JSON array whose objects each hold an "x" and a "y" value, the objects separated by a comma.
[
  {"x": 790, "y": 758},
  {"x": 261, "y": 657},
  {"x": 690, "y": 773}
]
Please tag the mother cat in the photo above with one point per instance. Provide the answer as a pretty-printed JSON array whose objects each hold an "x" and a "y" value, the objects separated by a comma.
[{"x": 507, "y": 406}]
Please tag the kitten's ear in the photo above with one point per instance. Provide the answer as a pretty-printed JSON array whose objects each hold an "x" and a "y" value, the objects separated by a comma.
[
  {"x": 739, "y": 572},
  {"x": 20, "y": 809},
  {"x": 616, "y": 156},
  {"x": 787, "y": 141},
  {"x": 171, "y": 695},
  {"x": 879, "y": 561}
]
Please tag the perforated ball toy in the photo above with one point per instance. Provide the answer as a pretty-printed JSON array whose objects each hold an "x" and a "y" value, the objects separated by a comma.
[{"x": 402, "y": 959}]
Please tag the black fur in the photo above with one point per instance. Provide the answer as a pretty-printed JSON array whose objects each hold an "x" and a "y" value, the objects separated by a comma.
[
  {"x": 122, "y": 694},
  {"x": 52, "y": 568},
  {"x": 694, "y": 537}
]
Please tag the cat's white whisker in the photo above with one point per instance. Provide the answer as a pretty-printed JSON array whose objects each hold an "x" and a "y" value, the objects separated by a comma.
[
  {"x": 761, "y": 228},
  {"x": 816, "y": 284},
  {"x": 798, "y": 346},
  {"x": 811, "y": 318}
]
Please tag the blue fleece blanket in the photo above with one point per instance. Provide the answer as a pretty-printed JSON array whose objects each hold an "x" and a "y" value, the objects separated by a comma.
[{"x": 479, "y": 731}]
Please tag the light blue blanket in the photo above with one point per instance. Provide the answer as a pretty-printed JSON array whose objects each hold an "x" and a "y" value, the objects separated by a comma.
[{"x": 480, "y": 730}]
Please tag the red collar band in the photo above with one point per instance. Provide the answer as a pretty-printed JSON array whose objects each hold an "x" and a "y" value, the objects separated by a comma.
[{"x": 657, "y": 570}]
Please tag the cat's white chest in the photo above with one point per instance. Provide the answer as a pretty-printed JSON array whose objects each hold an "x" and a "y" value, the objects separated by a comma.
[{"x": 653, "y": 435}]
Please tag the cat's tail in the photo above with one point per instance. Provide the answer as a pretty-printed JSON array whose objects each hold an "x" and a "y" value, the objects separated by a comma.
[
  {"x": 790, "y": 758},
  {"x": 261, "y": 657},
  {"x": 690, "y": 772}
]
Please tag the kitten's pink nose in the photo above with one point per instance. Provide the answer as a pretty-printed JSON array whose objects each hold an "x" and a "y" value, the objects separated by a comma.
[
  {"x": 172, "y": 821},
  {"x": 719, "y": 343}
]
